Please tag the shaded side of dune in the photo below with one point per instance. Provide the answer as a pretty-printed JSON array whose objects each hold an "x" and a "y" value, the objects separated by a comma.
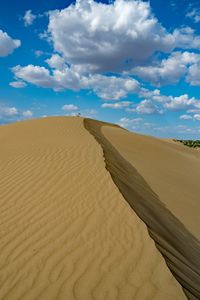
[{"x": 180, "y": 249}]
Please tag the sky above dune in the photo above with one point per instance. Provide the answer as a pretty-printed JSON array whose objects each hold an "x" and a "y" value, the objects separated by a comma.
[{"x": 135, "y": 63}]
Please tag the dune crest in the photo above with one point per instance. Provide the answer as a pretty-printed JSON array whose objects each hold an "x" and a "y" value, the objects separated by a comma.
[
  {"x": 65, "y": 230},
  {"x": 179, "y": 247}
]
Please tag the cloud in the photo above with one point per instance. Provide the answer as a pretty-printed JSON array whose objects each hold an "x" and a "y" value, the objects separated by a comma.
[
  {"x": 37, "y": 75},
  {"x": 117, "y": 105},
  {"x": 27, "y": 114},
  {"x": 169, "y": 70},
  {"x": 17, "y": 84},
  {"x": 111, "y": 87},
  {"x": 39, "y": 53},
  {"x": 40, "y": 76},
  {"x": 186, "y": 38},
  {"x": 182, "y": 102},
  {"x": 193, "y": 76},
  {"x": 126, "y": 122},
  {"x": 7, "y": 44},
  {"x": 185, "y": 117},
  {"x": 70, "y": 107},
  {"x": 56, "y": 62},
  {"x": 100, "y": 37},
  {"x": 147, "y": 107},
  {"x": 12, "y": 113},
  {"x": 197, "y": 117},
  {"x": 29, "y": 18},
  {"x": 106, "y": 87},
  {"x": 105, "y": 36},
  {"x": 8, "y": 111},
  {"x": 89, "y": 112},
  {"x": 194, "y": 15}
]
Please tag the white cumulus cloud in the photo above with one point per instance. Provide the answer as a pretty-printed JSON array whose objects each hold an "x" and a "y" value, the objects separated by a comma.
[
  {"x": 17, "y": 84},
  {"x": 102, "y": 37},
  {"x": 185, "y": 117},
  {"x": 106, "y": 87},
  {"x": 29, "y": 18},
  {"x": 197, "y": 117},
  {"x": 27, "y": 114},
  {"x": 69, "y": 107},
  {"x": 126, "y": 122},
  {"x": 117, "y": 105},
  {"x": 56, "y": 62},
  {"x": 169, "y": 70},
  {"x": 148, "y": 107},
  {"x": 7, "y": 44},
  {"x": 182, "y": 102},
  {"x": 8, "y": 111}
]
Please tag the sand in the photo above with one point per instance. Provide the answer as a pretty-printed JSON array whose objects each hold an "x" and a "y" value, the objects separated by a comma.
[
  {"x": 66, "y": 232},
  {"x": 175, "y": 239},
  {"x": 171, "y": 169}
]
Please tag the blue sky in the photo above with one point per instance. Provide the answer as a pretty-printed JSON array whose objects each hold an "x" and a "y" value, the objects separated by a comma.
[{"x": 135, "y": 63}]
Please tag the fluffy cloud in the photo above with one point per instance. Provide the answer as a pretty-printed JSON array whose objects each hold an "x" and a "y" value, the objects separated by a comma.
[
  {"x": 17, "y": 84},
  {"x": 7, "y": 44},
  {"x": 194, "y": 14},
  {"x": 193, "y": 76},
  {"x": 111, "y": 87},
  {"x": 106, "y": 36},
  {"x": 69, "y": 107},
  {"x": 8, "y": 112},
  {"x": 116, "y": 105},
  {"x": 29, "y": 18},
  {"x": 182, "y": 102},
  {"x": 186, "y": 38},
  {"x": 114, "y": 37},
  {"x": 126, "y": 122},
  {"x": 14, "y": 114},
  {"x": 39, "y": 76},
  {"x": 56, "y": 62},
  {"x": 197, "y": 117},
  {"x": 27, "y": 114},
  {"x": 170, "y": 70},
  {"x": 185, "y": 117},
  {"x": 106, "y": 87},
  {"x": 147, "y": 107}
]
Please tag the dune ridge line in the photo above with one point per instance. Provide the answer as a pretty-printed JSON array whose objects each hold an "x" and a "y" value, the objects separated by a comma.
[
  {"x": 178, "y": 246},
  {"x": 66, "y": 232}
]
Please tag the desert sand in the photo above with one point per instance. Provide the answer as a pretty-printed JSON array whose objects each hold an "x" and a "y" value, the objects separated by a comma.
[
  {"x": 66, "y": 231},
  {"x": 170, "y": 168},
  {"x": 141, "y": 165}
]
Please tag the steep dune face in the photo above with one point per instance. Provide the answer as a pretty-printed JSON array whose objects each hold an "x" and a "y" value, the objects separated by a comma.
[
  {"x": 171, "y": 169},
  {"x": 65, "y": 230},
  {"x": 124, "y": 151}
]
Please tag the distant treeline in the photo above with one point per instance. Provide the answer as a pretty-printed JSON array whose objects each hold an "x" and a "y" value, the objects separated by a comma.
[{"x": 190, "y": 143}]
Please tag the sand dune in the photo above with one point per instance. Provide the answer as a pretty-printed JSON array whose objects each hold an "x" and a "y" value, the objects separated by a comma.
[
  {"x": 66, "y": 232},
  {"x": 170, "y": 168},
  {"x": 133, "y": 161}
]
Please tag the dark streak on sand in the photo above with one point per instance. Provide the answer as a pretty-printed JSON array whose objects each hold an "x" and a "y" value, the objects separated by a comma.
[{"x": 180, "y": 249}]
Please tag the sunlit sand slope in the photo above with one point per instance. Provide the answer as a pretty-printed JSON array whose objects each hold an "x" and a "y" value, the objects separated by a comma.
[
  {"x": 160, "y": 181},
  {"x": 66, "y": 232}
]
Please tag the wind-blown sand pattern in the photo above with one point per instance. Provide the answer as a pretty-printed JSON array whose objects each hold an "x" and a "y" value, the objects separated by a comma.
[
  {"x": 170, "y": 168},
  {"x": 66, "y": 232},
  {"x": 179, "y": 247}
]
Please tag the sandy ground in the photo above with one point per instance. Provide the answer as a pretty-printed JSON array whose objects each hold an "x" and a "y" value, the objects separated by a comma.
[
  {"x": 179, "y": 247},
  {"x": 65, "y": 230},
  {"x": 171, "y": 169}
]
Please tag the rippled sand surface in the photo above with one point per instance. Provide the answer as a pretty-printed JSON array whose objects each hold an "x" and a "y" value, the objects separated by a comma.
[{"x": 66, "y": 231}]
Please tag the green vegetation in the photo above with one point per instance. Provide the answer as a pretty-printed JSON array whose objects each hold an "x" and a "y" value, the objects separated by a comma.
[{"x": 190, "y": 143}]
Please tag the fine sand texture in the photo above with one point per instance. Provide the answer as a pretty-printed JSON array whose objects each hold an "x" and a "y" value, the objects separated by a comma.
[
  {"x": 66, "y": 232},
  {"x": 170, "y": 168},
  {"x": 175, "y": 241}
]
